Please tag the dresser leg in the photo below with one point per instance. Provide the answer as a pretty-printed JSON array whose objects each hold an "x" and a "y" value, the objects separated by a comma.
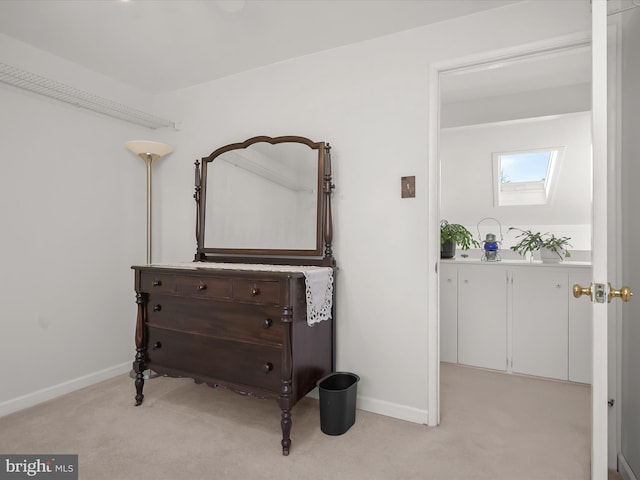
[
  {"x": 138, "y": 367},
  {"x": 141, "y": 348},
  {"x": 139, "y": 384},
  {"x": 286, "y": 431}
]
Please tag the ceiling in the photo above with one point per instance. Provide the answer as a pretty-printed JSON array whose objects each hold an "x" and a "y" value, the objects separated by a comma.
[
  {"x": 561, "y": 68},
  {"x": 160, "y": 46}
]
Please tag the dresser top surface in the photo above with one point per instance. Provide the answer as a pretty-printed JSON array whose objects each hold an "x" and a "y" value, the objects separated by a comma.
[{"x": 291, "y": 270}]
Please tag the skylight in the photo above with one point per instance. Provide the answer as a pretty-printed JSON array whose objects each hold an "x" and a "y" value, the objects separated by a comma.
[{"x": 525, "y": 177}]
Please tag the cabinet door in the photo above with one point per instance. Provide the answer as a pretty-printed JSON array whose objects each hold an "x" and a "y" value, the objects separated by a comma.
[
  {"x": 540, "y": 322},
  {"x": 448, "y": 313},
  {"x": 482, "y": 316},
  {"x": 579, "y": 332}
]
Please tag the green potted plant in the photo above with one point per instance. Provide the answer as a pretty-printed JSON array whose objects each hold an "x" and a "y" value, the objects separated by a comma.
[
  {"x": 452, "y": 234},
  {"x": 552, "y": 248}
]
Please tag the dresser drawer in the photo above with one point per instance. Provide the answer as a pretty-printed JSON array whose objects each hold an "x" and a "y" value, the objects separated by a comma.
[
  {"x": 197, "y": 355},
  {"x": 256, "y": 291},
  {"x": 157, "y": 283},
  {"x": 205, "y": 287},
  {"x": 224, "y": 320}
]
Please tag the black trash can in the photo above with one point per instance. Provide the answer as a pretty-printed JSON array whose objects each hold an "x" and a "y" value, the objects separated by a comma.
[{"x": 338, "y": 393}]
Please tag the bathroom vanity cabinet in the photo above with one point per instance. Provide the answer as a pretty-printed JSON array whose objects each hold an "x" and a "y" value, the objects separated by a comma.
[{"x": 516, "y": 317}]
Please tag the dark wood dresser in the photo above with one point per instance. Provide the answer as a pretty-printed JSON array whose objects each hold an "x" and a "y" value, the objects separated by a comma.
[
  {"x": 245, "y": 330},
  {"x": 243, "y": 322}
]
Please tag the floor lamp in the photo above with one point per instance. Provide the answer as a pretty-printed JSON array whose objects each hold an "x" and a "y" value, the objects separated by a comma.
[{"x": 148, "y": 151}]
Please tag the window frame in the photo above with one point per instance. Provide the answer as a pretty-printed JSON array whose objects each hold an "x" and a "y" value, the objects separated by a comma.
[{"x": 526, "y": 193}]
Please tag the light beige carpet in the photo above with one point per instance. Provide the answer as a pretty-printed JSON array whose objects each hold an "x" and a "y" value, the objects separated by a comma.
[{"x": 494, "y": 426}]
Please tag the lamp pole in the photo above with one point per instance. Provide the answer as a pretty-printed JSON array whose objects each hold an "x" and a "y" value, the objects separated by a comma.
[
  {"x": 148, "y": 160},
  {"x": 149, "y": 151}
]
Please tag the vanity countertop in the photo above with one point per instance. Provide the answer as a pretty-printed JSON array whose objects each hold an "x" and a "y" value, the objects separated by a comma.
[{"x": 516, "y": 262}]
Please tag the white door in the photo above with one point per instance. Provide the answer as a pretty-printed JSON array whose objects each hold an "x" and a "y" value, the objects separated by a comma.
[
  {"x": 605, "y": 166},
  {"x": 540, "y": 322},
  {"x": 482, "y": 316},
  {"x": 599, "y": 406},
  {"x": 448, "y": 313}
]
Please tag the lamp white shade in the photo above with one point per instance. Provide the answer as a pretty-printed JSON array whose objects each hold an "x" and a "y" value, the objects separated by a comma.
[{"x": 149, "y": 148}]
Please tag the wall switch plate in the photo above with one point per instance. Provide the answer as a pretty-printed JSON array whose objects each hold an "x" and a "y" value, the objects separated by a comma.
[{"x": 408, "y": 187}]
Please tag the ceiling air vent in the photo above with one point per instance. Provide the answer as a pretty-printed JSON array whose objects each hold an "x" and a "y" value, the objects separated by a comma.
[{"x": 79, "y": 98}]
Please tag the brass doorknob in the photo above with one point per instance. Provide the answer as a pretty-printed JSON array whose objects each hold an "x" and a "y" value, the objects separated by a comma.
[
  {"x": 578, "y": 291},
  {"x": 624, "y": 294}
]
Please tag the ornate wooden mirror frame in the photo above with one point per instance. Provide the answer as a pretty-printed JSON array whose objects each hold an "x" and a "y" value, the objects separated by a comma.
[{"x": 319, "y": 254}]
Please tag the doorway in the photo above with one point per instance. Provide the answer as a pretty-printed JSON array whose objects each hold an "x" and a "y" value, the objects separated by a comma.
[{"x": 467, "y": 118}]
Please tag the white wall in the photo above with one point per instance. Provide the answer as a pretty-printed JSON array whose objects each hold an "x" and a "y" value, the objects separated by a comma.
[
  {"x": 630, "y": 401},
  {"x": 73, "y": 222},
  {"x": 369, "y": 100},
  {"x": 467, "y": 194},
  {"x": 537, "y": 103}
]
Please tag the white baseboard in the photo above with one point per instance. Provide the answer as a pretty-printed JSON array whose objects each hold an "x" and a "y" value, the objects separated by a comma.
[
  {"x": 395, "y": 410},
  {"x": 34, "y": 398},
  {"x": 625, "y": 469},
  {"x": 389, "y": 409}
]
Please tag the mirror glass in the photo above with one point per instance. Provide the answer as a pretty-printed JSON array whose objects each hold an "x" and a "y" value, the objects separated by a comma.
[{"x": 263, "y": 197}]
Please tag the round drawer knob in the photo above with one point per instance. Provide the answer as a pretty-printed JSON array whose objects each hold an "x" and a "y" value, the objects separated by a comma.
[
  {"x": 156, "y": 346},
  {"x": 202, "y": 286},
  {"x": 267, "y": 367},
  {"x": 157, "y": 283},
  {"x": 255, "y": 290},
  {"x": 157, "y": 308},
  {"x": 267, "y": 322}
]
